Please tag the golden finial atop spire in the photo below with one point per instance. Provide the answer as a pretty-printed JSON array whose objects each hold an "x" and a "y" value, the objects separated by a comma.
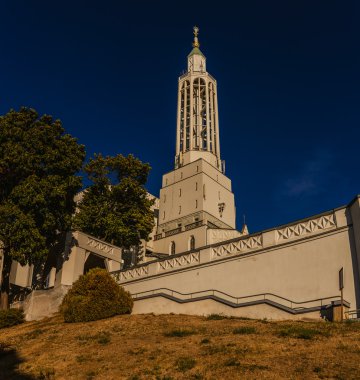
[{"x": 196, "y": 43}]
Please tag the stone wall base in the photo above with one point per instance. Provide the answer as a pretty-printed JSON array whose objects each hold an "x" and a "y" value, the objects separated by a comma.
[{"x": 43, "y": 303}]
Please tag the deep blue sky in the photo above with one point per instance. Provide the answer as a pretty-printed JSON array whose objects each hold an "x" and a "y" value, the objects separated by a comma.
[{"x": 288, "y": 83}]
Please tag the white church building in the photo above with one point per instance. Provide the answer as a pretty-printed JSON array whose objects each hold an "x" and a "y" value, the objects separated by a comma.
[{"x": 197, "y": 262}]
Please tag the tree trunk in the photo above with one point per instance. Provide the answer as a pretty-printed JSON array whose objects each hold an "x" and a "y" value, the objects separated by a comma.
[{"x": 5, "y": 281}]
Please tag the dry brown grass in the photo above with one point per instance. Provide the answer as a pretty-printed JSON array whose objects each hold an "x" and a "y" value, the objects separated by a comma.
[{"x": 180, "y": 347}]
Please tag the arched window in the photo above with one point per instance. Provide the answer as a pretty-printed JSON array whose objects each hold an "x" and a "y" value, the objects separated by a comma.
[
  {"x": 199, "y": 115},
  {"x": 192, "y": 242},
  {"x": 212, "y": 118},
  {"x": 185, "y": 116},
  {"x": 172, "y": 248}
]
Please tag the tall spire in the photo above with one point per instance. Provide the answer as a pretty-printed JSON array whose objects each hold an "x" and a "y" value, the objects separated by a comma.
[
  {"x": 197, "y": 119},
  {"x": 196, "y": 43}
]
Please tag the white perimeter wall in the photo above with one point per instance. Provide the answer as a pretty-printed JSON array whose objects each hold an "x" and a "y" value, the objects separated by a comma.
[{"x": 299, "y": 262}]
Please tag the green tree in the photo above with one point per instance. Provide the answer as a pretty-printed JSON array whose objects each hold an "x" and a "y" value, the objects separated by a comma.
[
  {"x": 38, "y": 181},
  {"x": 116, "y": 207}
]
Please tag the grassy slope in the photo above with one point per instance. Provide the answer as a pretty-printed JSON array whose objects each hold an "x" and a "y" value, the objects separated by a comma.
[{"x": 179, "y": 347}]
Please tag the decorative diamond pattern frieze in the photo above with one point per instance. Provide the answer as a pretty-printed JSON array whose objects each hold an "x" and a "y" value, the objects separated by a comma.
[
  {"x": 244, "y": 245},
  {"x": 133, "y": 273},
  {"x": 180, "y": 261},
  {"x": 101, "y": 246},
  {"x": 309, "y": 227}
]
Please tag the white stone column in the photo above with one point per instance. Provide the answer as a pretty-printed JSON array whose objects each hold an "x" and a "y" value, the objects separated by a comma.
[
  {"x": 185, "y": 116},
  {"x": 217, "y": 128},
  {"x": 213, "y": 120},
  {"x": 191, "y": 112},
  {"x": 207, "y": 115},
  {"x": 178, "y": 122}
]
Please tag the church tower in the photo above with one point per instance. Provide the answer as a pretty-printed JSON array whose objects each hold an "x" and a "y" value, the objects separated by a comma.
[
  {"x": 197, "y": 117},
  {"x": 196, "y": 202}
]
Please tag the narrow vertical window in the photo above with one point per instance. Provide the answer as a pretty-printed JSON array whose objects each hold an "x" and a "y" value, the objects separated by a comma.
[
  {"x": 164, "y": 215},
  {"x": 196, "y": 186},
  {"x": 164, "y": 198},
  {"x": 196, "y": 203},
  {"x": 172, "y": 248},
  {"x": 199, "y": 141},
  {"x": 179, "y": 209},
  {"x": 179, "y": 192},
  {"x": 192, "y": 243},
  {"x": 181, "y": 174},
  {"x": 219, "y": 194}
]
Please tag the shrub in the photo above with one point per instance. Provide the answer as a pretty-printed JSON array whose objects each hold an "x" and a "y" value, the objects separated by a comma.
[
  {"x": 94, "y": 296},
  {"x": 46, "y": 374},
  {"x": 300, "y": 332},
  {"x": 231, "y": 362},
  {"x": 216, "y": 317},
  {"x": 185, "y": 363},
  {"x": 34, "y": 334},
  {"x": 103, "y": 338},
  {"x": 244, "y": 330},
  {"x": 178, "y": 333},
  {"x": 11, "y": 317}
]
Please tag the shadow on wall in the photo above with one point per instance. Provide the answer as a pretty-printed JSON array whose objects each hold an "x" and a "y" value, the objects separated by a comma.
[
  {"x": 9, "y": 363},
  {"x": 355, "y": 266}
]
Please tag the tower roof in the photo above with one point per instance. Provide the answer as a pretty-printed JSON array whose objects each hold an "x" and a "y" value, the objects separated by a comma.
[{"x": 196, "y": 50}]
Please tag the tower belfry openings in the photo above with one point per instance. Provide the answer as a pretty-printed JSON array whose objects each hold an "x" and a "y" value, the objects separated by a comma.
[{"x": 197, "y": 117}]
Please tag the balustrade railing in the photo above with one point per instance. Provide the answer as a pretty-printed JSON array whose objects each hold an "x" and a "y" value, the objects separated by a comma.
[
  {"x": 187, "y": 227},
  {"x": 196, "y": 224},
  {"x": 158, "y": 237},
  {"x": 177, "y": 230},
  {"x": 186, "y": 73},
  {"x": 353, "y": 314},
  {"x": 173, "y": 232}
]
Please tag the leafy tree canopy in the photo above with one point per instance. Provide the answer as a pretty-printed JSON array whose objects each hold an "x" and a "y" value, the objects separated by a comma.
[
  {"x": 38, "y": 181},
  {"x": 116, "y": 207}
]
